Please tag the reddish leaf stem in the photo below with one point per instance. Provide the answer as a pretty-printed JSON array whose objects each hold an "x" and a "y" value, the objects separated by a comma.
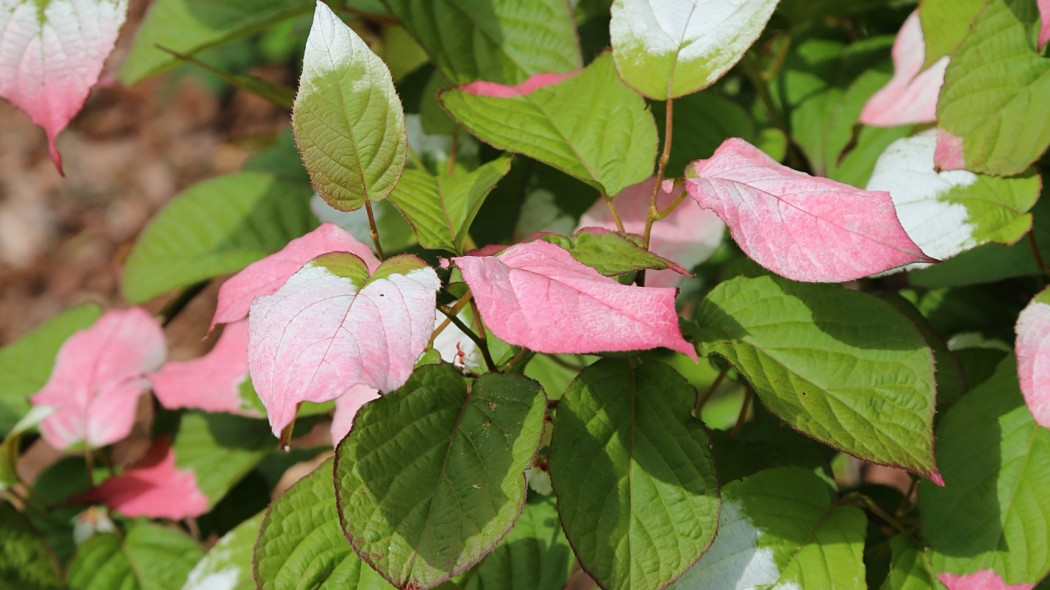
[
  {"x": 665, "y": 156},
  {"x": 374, "y": 231},
  {"x": 482, "y": 345},
  {"x": 742, "y": 417},
  {"x": 454, "y": 311},
  {"x": 614, "y": 212},
  {"x": 703, "y": 399}
]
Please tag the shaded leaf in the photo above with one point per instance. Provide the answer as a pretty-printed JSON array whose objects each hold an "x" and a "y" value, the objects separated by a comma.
[
  {"x": 637, "y": 489},
  {"x": 220, "y": 450},
  {"x": 99, "y": 374},
  {"x": 522, "y": 289},
  {"x": 668, "y": 48},
  {"x": 347, "y": 118},
  {"x": 802, "y": 227},
  {"x": 907, "y": 570},
  {"x": 26, "y": 563},
  {"x": 422, "y": 516},
  {"x": 148, "y": 557}
]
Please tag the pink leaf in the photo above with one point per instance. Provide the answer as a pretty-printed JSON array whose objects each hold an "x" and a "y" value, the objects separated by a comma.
[
  {"x": 1044, "y": 29},
  {"x": 688, "y": 236},
  {"x": 911, "y": 94},
  {"x": 50, "y": 57},
  {"x": 153, "y": 488},
  {"x": 346, "y": 407},
  {"x": 211, "y": 382},
  {"x": 265, "y": 276},
  {"x": 948, "y": 154},
  {"x": 798, "y": 226},
  {"x": 538, "y": 296},
  {"x": 1033, "y": 357},
  {"x": 99, "y": 374},
  {"x": 331, "y": 327},
  {"x": 535, "y": 82},
  {"x": 980, "y": 580}
]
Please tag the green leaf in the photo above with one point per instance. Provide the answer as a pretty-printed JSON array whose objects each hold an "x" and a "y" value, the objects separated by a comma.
[
  {"x": 781, "y": 528},
  {"x": 590, "y": 126},
  {"x": 10, "y": 447},
  {"x": 637, "y": 489},
  {"x": 188, "y": 26},
  {"x": 26, "y": 562},
  {"x": 533, "y": 556},
  {"x": 668, "y": 49},
  {"x": 764, "y": 442},
  {"x": 228, "y": 563},
  {"x": 503, "y": 41},
  {"x": 993, "y": 510},
  {"x": 944, "y": 24},
  {"x": 441, "y": 208},
  {"x": 215, "y": 227},
  {"x": 995, "y": 91},
  {"x": 907, "y": 568},
  {"x": 277, "y": 94},
  {"x": 280, "y": 158},
  {"x": 347, "y": 118},
  {"x": 430, "y": 478},
  {"x": 998, "y": 207},
  {"x": 301, "y": 545},
  {"x": 148, "y": 557},
  {"x": 220, "y": 449},
  {"x": 610, "y": 253},
  {"x": 811, "y": 350},
  {"x": 25, "y": 365}
]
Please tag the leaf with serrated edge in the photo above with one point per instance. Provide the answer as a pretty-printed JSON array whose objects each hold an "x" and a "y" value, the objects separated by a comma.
[
  {"x": 99, "y": 374},
  {"x": 588, "y": 125},
  {"x": 52, "y": 54},
  {"x": 911, "y": 95},
  {"x": 347, "y": 118},
  {"x": 993, "y": 511},
  {"x": 503, "y": 41},
  {"x": 332, "y": 326},
  {"x": 1033, "y": 356},
  {"x": 948, "y": 212},
  {"x": 780, "y": 528},
  {"x": 993, "y": 102},
  {"x": 520, "y": 291},
  {"x": 213, "y": 228},
  {"x": 148, "y": 557},
  {"x": 301, "y": 545},
  {"x": 809, "y": 352},
  {"x": 228, "y": 564},
  {"x": 423, "y": 516},
  {"x": 689, "y": 235},
  {"x": 644, "y": 504},
  {"x": 667, "y": 48},
  {"x": 799, "y": 226},
  {"x": 441, "y": 208}
]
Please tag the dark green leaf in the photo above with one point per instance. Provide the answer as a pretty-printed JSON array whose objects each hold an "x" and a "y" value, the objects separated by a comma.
[
  {"x": 26, "y": 562},
  {"x": 148, "y": 557}
]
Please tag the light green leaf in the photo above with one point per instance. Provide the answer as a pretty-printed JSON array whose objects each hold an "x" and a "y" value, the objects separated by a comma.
[
  {"x": 637, "y": 489},
  {"x": 148, "y": 557},
  {"x": 993, "y": 511},
  {"x": 188, "y": 26},
  {"x": 25, "y": 364},
  {"x": 590, "y": 126},
  {"x": 995, "y": 91},
  {"x": 668, "y": 48},
  {"x": 347, "y": 118},
  {"x": 26, "y": 562},
  {"x": 503, "y": 41},
  {"x": 533, "y": 556},
  {"x": 430, "y": 478},
  {"x": 810, "y": 351},
  {"x": 610, "y": 253},
  {"x": 780, "y": 528},
  {"x": 907, "y": 570},
  {"x": 215, "y": 227},
  {"x": 228, "y": 564},
  {"x": 301, "y": 545},
  {"x": 220, "y": 449},
  {"x": 944, "y": 24},
  {"x": 441, "y": 208}
]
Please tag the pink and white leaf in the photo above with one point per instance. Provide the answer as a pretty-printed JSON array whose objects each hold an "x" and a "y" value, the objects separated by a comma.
[
  {"x": 688, "y": 236},
  {"x": 910, "y": 96},
  {"x": 346, "y": 407},
  {"x": 799, "y": 226},
  {"x": 152, "y": 488},
  {"x": 52, "y": 53},
  {"x": 1033, "y": 356},
  {"x": 538, "y": 296},
  {"x": 331, "y": 327},
  {"x": 265, "y": 277},
  {"x": 1044, "y": 28},
  {"x": 979, "y": 580},
  {"x": 98, "y": 376},
  {"x": 211, "y": 382}
]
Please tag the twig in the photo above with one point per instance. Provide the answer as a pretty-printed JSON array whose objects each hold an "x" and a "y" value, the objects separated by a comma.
[
  {"x": 374, "y": 231},
  {"x": 665, "y": 156},
  {"x": 482, "y": 345},
  {"x": 748, "y": 394},
  {"x": 701, "y": 400},
  {"x": 462, "y": 301}
]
